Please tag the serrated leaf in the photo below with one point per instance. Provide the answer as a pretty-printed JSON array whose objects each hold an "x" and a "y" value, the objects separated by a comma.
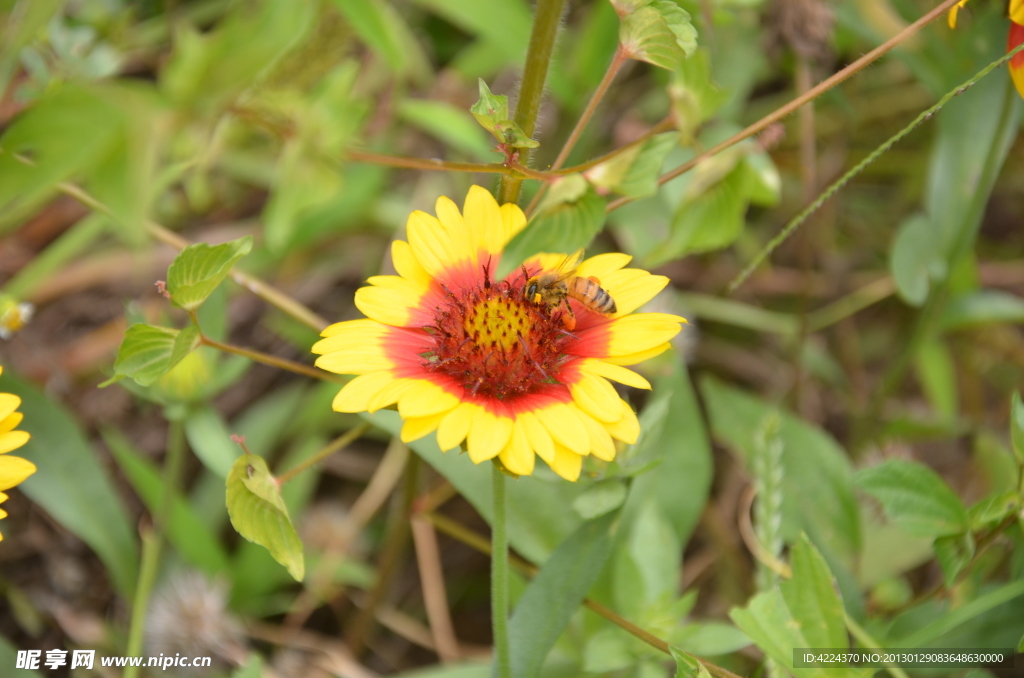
[
  {"x": 812, "y": 597},
  {"x": 198, "y": 269},
  {"x": 564, "y": 228},
  {"x": 915, "y": 498},
  {"x": 490, "y": 109},
  {"x": 148, "y": 352},
  {"x": 259, "y": 514},
  {"x": 556, "y": 593},
  {"x": 660, "y": 33},
  {"x": 635, "y": 172},
  {"x": 1017, "y": 426},
  {"x": 954, "y": 553}
]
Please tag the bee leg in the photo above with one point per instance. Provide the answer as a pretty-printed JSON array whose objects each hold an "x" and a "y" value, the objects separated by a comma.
[{"x": 568, "y": 317}]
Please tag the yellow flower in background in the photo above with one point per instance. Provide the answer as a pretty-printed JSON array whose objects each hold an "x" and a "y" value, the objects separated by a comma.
[
  {"x": 1015, "y": 38},
  {"x": 13, "y": 470},
  {"x": 479, "y": 362}
]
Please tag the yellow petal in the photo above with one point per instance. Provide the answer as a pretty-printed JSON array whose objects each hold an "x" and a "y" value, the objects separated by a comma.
[
  {"x": 3, "y": 513},
  {"x": 389, "y": 306},
  {"x": 14, "y": 470},
  {"x": 352, "y": 337},
  {"x": 613, "y": 372},
  {"x": 566, "y": 463},
  {"x": 425, "y": 398},
  {"x": 407, "y": 265},
  {"x": 601, "y": 444},
  {"x": 11, "y": 422},
  {"x": 12, "y": 440},
  {"x": 641, "y": 332},
  {"x": 462, "y": 244},
  {"x": 954, "y": 10},
  {"x": 488, "y": 435},
  {"x": 415, "y": 428},
  {"x": 639, "y": 357},
  {"x": 356, "y": 361},
  {"x": 429, "y": 241},
  {"x": 389, "y": 394},
  {"x": 455, "y": 426},
  {"x": 355, "y": 326},
  {"x": 601, "y": 265},
  {"x": 8, "y": 403},
  {"x": 537, "y": 435},
  {"x": 595, "y": 396},
  {"x": 513, "y": 218},
  {"x": 1016, "y": 11},
  {"x": 632, "y": 288},
  {"x": 626, "y": 429},
  {"x": 518, "y": 455},
  {"x": 483, "y": 217},
  {"x": 3, "y": 497},
  {"x": 565, "y": 427},
  {"x": 356, "y": 394}
]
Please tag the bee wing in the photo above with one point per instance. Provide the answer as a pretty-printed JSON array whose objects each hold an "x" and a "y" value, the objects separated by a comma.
[{"x": 568, "y": 266}]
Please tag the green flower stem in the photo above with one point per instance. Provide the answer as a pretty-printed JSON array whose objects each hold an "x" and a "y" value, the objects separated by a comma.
[
  {"x": 152, "y": 542},
  {"x": 531, "y": 91},
  {"x": 273, "y": 361},
  {"x": 339, "y": 443},
  {"x": 499, "y": 576}
]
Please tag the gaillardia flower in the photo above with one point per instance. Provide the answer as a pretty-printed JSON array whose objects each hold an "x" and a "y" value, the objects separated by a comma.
[
  {"x": 13, "y": 470},
  {"x": 474, "y": 359}
]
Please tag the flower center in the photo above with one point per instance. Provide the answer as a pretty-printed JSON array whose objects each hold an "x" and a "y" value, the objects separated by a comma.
[{"x": 495, "y": 343}]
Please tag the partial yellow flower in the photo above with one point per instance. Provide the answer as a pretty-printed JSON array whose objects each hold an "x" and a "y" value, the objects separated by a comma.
[
  {"x": 13, "y": 470},
  {"x": 484, "y": 365}
]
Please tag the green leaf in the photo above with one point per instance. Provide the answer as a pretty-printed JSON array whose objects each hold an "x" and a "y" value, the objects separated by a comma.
[
  {"x": 490, "y": 109},
  {"x": 9, "y": 657},
  {"x": 511, "y": 134},
  {"x": 189, "y": 534},
  {"x": 148, "y": 352},
  {"x": 456, "y": 670},
  {"x": 992, "y": 510},
  {"x": 654, "y": 554},
  {"x": 695, "y": 97},
  {"x": 981, "y": 308},
  {"x": 448, "y": 124},
  {"x": 207, "y": 71},
  {"x": 63, "y": 135},
  {"x": 259, "y": 514},
  {"x": 687, "y": 665},
  {"x": 679, "y": 444},
  {"x": 556, "y": 593},
  {"x": 818, "y": 494},
  {"x": 253, "y": 667},
  {"x": 710, "y": 639},
  {"x": 635, "y": 172},
  {"x": 540, "y": 513},
  {"x": 915, "y": 498},
  {"x": 505, "y": 24},
  {"x": 600, "y": 498},
  {"x": 22, "y": 24},
  {"x": 382, "y": 27},
  {"x": 660, "y": 33},
  {"x": 210, "y": 439},
  {"x": 1017, "y": 426},
  {"x": 562, "y": 228},
  {"x": 916, "y": 259},
  {"x": 73, "y": 487},
  {"x": 198, "y": 269},
  {"x": 954, "y": 553},
  {"x": 711, "y": 220},
  {"x": 813, "y": 599},
  {"x": 961, "y": 615}
]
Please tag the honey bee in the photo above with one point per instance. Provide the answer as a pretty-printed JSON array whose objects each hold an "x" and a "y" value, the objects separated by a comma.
[{"x": 554, "y": 289}]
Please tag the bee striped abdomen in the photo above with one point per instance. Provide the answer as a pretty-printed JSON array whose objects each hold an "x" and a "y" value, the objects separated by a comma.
[{"x": 589, "y": 292}]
